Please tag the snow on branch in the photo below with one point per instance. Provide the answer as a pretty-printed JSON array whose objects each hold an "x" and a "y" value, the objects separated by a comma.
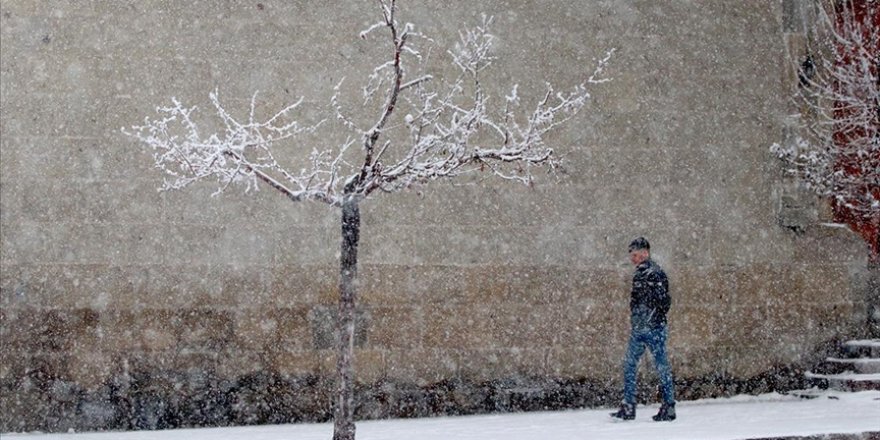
[
  {"x": 448, "y": 130},
  {"x": 836, "y": 152},
  {"x": 472, "y": 54},
  {"x": 241, "y": 153},
  {"x": 421, "y": 130}
]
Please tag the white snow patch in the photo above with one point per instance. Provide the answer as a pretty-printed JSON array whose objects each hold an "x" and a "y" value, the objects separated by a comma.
[
  {"x": 855, "y": 377},
  {"x": 862, "y": 361},
  {"x": 873, "y": 343},
  {"x": 835, "y": 225}
]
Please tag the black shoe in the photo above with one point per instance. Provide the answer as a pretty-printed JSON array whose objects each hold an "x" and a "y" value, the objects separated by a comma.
[
  {"x": 666, "y": 414},
  {"x": 626, "y": 412}
]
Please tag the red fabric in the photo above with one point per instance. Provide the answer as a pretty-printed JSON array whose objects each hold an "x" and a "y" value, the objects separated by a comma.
[{"x": 865, "y": 14}]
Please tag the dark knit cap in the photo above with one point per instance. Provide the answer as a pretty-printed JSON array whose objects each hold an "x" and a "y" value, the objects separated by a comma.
[{"x": 639, "y": 243}]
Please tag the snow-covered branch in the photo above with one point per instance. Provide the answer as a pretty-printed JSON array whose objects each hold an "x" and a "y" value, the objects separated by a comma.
[
  {"x": 423, "y": 130},
  {"x": 837, "y": 152},
  {"x": 452, "y": 133},
  {"x": 240, "y": 153}
]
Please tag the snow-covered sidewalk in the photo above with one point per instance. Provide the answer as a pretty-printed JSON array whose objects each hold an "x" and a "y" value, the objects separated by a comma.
[{"x": 743, "y": 417}]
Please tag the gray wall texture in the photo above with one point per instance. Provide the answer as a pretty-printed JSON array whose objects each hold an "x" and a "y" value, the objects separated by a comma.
[{"x": 122, "y": 305}]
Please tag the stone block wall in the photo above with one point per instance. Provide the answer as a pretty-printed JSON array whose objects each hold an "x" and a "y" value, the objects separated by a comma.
[{"x": 124, "y": 307}]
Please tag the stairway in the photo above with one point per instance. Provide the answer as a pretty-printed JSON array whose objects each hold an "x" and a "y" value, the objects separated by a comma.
[{"x": 857, "y": 368}]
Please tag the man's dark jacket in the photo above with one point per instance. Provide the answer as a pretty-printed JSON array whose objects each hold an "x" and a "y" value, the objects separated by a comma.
[{"x": 650, "y": 296}]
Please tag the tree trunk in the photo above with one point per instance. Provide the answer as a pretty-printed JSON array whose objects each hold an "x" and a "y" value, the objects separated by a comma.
[{"x": 343, "y": 415}]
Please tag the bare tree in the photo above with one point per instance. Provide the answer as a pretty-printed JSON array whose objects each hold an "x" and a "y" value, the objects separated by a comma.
[
  {"x": 837, "y": 150},
  {"x": 423, "y": 131}
]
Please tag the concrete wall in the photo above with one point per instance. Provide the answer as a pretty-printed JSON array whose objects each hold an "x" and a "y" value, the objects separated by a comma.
[{"x": 104, "y": 278}]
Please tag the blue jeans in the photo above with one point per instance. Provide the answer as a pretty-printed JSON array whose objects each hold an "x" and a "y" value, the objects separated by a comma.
[{"x": 655, "y": 340}]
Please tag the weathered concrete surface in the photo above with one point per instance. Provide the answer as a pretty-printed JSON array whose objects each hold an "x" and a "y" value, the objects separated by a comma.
[{"x": 103, "y": 278}]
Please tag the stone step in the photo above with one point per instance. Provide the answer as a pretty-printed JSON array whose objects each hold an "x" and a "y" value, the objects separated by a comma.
[
  {"x": 862, "y": 348},
  {"x": 858, "y": 365},
  {"x": 848, "y": 381}
]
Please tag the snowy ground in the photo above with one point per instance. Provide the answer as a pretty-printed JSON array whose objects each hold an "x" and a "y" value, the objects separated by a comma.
[{"x": 743, "y": 417}]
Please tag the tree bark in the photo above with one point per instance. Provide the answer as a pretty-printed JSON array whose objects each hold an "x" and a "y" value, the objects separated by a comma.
[{"x": 343, "y": 415}]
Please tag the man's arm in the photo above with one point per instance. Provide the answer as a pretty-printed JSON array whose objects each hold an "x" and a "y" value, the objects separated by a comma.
[{"x": 658, "y": 288}]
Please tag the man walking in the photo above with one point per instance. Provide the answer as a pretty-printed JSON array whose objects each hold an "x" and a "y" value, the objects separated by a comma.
[{"x": 649, "y": 304}]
